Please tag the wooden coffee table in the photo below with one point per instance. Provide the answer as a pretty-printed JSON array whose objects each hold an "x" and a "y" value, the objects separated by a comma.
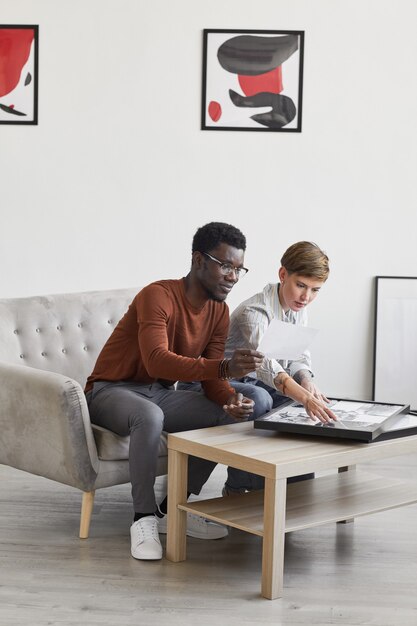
[{"x": 281, "y": 508}]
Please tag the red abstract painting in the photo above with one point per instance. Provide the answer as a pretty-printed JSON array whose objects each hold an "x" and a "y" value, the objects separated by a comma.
[{"x": 18, "y": 74}]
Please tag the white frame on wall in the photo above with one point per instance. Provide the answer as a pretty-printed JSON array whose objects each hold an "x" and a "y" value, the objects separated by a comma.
[{"x": 395, "y": 340}]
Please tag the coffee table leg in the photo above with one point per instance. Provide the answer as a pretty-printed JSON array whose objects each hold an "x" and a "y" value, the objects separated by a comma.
[
  {"x": 274, "y": 537},
  {"x": 346, "y": 468},
  {"x": 177, "y": 494}
]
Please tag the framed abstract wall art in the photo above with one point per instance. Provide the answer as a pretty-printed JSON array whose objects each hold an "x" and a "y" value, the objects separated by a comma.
[
  {"x": 252, "y": 80},
  {"x": 18, "y": 74}
]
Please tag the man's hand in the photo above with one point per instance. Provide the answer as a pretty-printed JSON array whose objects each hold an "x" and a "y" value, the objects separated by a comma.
[
  {"x": 243, "y": 362},
  {"x": 238, "y": 406}
]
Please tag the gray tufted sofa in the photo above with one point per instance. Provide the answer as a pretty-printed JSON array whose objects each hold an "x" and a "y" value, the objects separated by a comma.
[{"x": 48, "y": 347}]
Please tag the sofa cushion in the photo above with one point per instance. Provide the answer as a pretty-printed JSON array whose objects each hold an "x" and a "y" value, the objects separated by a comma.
[{"x": 112, "y": 447}]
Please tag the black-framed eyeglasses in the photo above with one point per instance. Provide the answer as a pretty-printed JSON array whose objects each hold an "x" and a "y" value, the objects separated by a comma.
[{"x": 228, "y": 268}]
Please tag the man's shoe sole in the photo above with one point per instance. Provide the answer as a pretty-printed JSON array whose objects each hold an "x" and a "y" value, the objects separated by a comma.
[{"x": 146, "y": 558}]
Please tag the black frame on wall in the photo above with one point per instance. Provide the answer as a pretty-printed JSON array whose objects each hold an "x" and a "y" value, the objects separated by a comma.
[
  {"x": 250, "y": 61},
  {"x": 26, "y": 90}
]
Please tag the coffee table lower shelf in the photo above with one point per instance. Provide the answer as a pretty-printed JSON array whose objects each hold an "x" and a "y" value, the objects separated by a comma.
[{"x": 326, "y": 499}]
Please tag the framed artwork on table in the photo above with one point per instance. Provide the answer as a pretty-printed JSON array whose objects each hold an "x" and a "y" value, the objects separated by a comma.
[
  {"x": 252, "y": 80},
  {"x": 359, "y": 420},
  {"x": 395, "y": 339},
  {"x": 19, "y": 74}
]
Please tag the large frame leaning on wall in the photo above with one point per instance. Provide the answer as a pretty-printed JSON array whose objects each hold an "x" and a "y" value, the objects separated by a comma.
[
  {"x": 19, "y": 73},
  {"x": 252, "y": 80},
  {"x": 395, "y": 340}
]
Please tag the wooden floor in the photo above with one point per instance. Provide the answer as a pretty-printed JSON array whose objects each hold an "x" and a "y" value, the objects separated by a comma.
[{"x": 363, "y": 573}]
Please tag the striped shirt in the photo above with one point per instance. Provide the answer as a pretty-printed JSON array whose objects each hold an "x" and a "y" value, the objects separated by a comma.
[{"x": 248, "y": 324}]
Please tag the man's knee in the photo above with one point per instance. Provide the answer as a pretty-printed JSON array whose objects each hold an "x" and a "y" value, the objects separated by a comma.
[{"x": 147, "y": 418}]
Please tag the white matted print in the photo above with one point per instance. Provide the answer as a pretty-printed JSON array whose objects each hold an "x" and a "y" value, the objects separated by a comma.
[{"x": 395, "y": 347}]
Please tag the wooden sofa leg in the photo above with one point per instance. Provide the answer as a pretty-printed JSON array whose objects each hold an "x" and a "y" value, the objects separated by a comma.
[{"x": 86, "y": 512}]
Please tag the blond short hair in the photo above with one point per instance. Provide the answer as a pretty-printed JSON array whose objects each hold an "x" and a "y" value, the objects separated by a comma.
[{"x": 307, "y": 259}]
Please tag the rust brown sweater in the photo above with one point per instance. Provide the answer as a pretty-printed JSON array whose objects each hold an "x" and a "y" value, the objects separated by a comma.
[{"x": 162, "y": 336}]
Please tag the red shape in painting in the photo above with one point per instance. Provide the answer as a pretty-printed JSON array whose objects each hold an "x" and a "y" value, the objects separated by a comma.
[
  {"x": 270, "y": 82},
  {"x": 15, "y": 46},
  {"x": 215, "y": 111}
]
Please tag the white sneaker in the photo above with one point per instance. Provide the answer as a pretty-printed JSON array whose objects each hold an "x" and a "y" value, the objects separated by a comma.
[
  {"x": 144, "y": 539},
  {"x": 197, "y": 527}
]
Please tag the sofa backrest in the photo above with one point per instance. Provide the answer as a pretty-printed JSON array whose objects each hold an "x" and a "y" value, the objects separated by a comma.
[{"x": 61, "y": 333}]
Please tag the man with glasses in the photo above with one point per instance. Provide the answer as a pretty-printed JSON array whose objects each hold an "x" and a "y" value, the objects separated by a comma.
[{"x": 175, "y": 330}]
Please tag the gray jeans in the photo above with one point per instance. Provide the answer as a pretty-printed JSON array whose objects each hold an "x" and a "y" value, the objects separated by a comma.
[
  {"x": 143, "y": 412},
  {"x": 239, "y": 480}
]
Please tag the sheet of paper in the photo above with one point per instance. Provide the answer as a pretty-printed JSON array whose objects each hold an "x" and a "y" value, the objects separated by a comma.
[{"x": 286, "y": 341}]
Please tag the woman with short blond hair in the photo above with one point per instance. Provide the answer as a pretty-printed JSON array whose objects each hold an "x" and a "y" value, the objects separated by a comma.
[{"x": 304, "y": 269}]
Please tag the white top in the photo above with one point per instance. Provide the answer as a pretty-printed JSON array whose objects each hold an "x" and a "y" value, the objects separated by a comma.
[{"x": 248, "y": 324}]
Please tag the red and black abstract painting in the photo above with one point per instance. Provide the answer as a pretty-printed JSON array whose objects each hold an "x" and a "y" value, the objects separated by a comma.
[
  {"x": 252, "y": 80},
  {"x": 18, "y": 74}
]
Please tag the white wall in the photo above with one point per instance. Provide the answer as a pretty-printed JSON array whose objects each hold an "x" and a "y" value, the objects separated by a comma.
[{"x": 108, "y": 190}]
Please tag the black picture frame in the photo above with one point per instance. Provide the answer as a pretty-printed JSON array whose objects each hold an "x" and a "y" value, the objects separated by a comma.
[
  {"x": 243, "y": 69},
  {"x": 395, "y": 339},
  {"x": 292, "y": 418},
  {"x": 404, "y": 427},
  {"x": 20, "y": 76}
]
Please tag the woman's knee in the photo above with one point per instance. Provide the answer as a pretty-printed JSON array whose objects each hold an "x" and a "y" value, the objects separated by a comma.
[{"x": 261, "y": 398}]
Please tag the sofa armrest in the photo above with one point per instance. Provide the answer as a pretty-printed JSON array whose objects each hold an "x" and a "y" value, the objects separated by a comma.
[{"x": 45, "y": 426}]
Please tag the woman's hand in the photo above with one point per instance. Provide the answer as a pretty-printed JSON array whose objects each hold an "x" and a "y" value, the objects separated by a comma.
[
  {"x": 317, "y": 408},
  {"x": 307, "y": 394},
  {"x": 308, "y": 385}
]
